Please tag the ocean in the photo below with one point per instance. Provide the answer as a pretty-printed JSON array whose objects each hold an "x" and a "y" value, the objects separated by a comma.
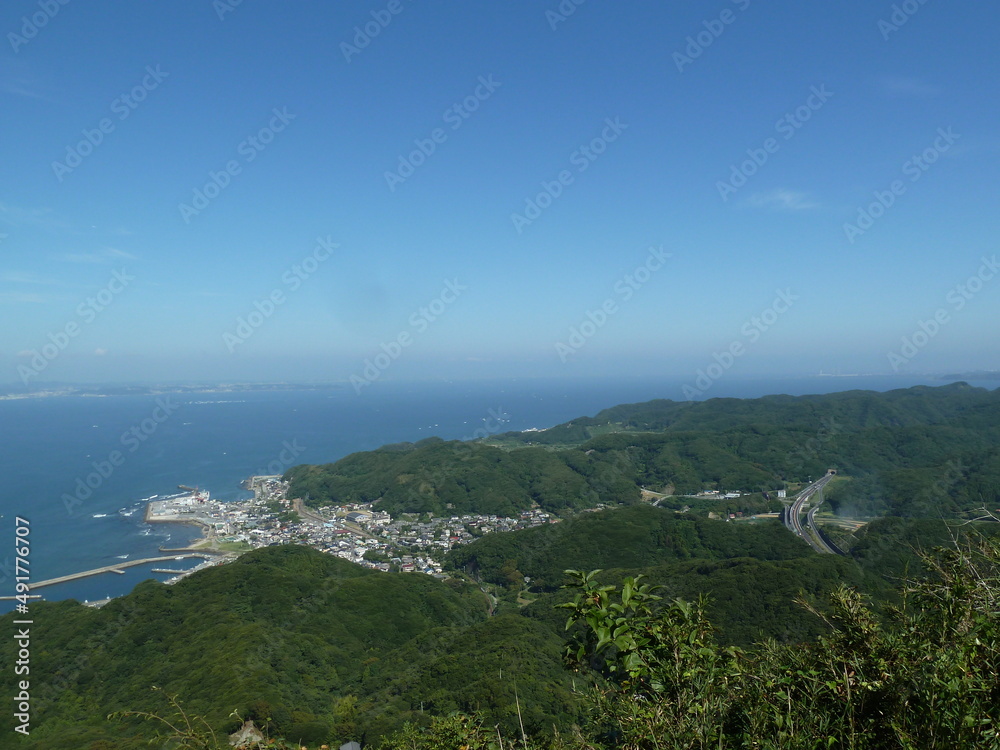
[{"x": 131, "y": 448}]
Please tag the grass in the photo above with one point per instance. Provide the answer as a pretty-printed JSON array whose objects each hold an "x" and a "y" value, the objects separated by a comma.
[{"x": 232, "y": 546}]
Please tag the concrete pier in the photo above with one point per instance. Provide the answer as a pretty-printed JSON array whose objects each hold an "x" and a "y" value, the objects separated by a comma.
[{"x": 117, "y": 568}]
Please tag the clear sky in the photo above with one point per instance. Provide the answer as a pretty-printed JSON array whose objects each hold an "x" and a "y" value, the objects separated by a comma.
[{"x": 266, "y": 190}]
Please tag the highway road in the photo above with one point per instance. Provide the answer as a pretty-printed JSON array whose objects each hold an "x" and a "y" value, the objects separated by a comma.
[{"x": 793, "y": 518}]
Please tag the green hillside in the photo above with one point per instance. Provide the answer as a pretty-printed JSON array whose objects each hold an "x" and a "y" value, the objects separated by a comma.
[
  {"x": 454, "y": 478},
  {"x": 278, "y": 632},
  {"x": 321, "y": 650},
  {"x": 621, "y": 538},
  {"x": 321, "y": 646},
  {"x": 918, "y": 452}
]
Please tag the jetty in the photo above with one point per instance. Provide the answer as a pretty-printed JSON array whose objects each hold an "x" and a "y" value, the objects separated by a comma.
[
  {"x": 116, "y": 568},
  {"x": 202, "y": 551}
]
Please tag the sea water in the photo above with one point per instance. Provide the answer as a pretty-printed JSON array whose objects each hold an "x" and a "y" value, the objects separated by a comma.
[{"x": 81, "y": 469}]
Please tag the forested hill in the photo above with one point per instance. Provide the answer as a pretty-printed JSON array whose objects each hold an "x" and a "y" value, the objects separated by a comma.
[
  {"x": 275, "y": 635},
  {"x": 453, "y": 477},
  {"x": 850, "y": 411},
  {"x": 320, "y": 649},
  {"x": 325, "y": 651},
  {"x": 633, "y": 537},
  {"x": 916, "y": 452}
]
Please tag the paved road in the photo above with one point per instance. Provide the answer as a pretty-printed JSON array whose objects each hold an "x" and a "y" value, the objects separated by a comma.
[
  {"x": 793, "y": 519},
  {"x": 307, "y": 515}
]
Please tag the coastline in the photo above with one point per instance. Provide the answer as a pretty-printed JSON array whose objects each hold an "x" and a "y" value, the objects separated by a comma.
[
  {"x": 202, "y": 543},
  {"x": 47, "y": 470}
]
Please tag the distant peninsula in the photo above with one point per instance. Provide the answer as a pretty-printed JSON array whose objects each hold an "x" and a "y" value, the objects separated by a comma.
[
  {"x": 975, "y": 375},
  {"x": 49, "y": 390}
]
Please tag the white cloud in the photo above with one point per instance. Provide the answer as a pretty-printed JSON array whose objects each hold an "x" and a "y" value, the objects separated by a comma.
[
  {"x": 907, "y": 86},
  {"x": 20, "y": 277},
  {"x": 783, "y": 200},
  {"x": 17, "y": 79},
  {"x": 104, "y": 255},
  {"x": 46, "y": 219},
  {"x": 35, "y": 217},
  {"x": 22, "y": 298}
]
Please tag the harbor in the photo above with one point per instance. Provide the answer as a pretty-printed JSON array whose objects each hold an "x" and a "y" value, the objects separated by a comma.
[
  {"x": 356, "y": 532},
  {"x": 116, "y": 568}
]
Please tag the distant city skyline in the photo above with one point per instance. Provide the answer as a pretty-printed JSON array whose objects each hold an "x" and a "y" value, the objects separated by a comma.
[{"x": 390, "y": 190}]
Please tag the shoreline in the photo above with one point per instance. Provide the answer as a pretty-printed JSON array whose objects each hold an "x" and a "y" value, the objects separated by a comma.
[
  {"x": 209, "y": 539},
  {"x": 202, "y": 543}
]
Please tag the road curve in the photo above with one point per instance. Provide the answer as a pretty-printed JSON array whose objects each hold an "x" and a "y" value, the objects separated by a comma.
[{"x": 793, "y": 517}]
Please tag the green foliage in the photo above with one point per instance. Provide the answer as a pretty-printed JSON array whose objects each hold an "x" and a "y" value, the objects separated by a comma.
[
  {"x": 752, "y": 600},
  {"x": 916, "y": 453},
  {"x": 284, "y": 629},
  {"x": 455, "y": 478},
  {"x": 629, "y": 537},
  {"x": 751, "y": 572},
  {"x": 671, "y": 681},
  {"x": 178, "y": 729},
  {"x": 455, "y": 732},
  {"x": 925, "y": 677},
  {"x": 919, "y": 452},
  {"x": 893, "y": 547},
  {"x": 486, "y": 668},
  {"x": 315, "y": 648}
]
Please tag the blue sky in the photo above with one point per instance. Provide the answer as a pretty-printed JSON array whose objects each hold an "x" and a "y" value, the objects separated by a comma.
[{"x": 699, "y": 220}]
